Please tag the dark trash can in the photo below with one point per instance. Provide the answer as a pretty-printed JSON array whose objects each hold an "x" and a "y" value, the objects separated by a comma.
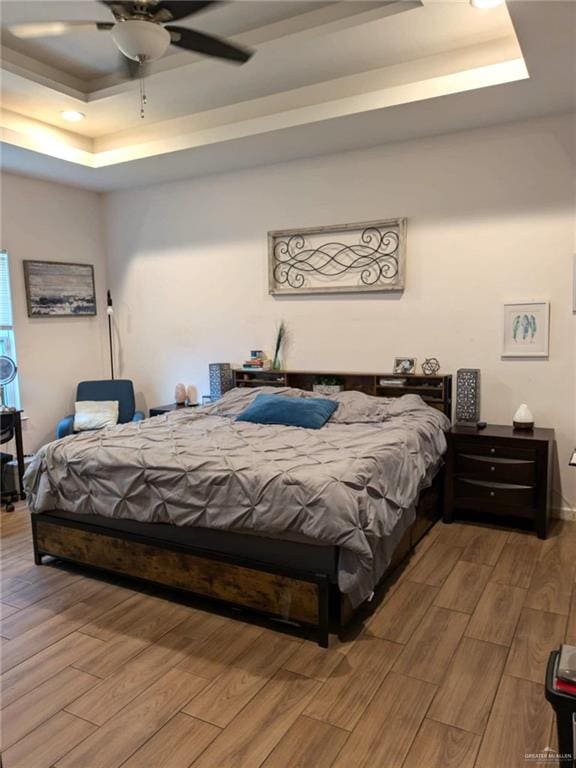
[{"x": 564, "y": 705}]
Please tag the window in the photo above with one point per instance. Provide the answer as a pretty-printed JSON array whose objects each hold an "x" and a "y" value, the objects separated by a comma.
[{"x": 7, "y": 345}]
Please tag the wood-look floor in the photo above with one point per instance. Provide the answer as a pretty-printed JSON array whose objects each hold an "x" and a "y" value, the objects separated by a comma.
[{"x": 445, "y": 672}]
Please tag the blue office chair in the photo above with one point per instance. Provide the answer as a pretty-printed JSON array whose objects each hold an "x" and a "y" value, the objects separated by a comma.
[{"x": 115, "y": 389}]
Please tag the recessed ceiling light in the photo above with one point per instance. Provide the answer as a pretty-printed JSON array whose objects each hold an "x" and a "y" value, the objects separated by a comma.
[
  {"x": 486, "y": 3},
  {"x": 72, "y": 116}
]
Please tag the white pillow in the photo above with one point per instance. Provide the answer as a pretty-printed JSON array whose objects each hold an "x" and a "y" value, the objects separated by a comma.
[{"x": 95, "y": 414}]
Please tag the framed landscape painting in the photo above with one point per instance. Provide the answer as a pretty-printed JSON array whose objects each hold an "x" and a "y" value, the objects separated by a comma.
[
  {"x": 59, "y": 289},
  {"x": 526, "y": 329}
]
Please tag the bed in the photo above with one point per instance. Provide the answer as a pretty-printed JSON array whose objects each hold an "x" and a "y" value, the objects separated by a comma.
[{"x": 295, "y": 523}]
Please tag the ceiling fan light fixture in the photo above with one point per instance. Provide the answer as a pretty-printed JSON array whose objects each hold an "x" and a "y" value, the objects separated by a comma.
[
  {"x": 72, "y": 115},
  {"x": 141, "y": 40}
]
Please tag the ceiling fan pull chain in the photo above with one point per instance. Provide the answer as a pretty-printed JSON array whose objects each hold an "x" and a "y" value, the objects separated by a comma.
[{"x": 143, "y": 97}]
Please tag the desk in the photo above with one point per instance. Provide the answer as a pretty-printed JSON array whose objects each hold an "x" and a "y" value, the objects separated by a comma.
[{"x": 13, "y": 420}]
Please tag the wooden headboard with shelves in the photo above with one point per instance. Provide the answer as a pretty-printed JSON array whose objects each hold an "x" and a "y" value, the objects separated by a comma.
[{"x": 436, "y": 391}]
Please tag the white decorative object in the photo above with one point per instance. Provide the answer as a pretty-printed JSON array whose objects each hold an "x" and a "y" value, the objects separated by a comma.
[
  {"x": 523, "y": 418},
  {"x": 526, "y": 329},
  {"x": 346, "y": 258},
  {"x": 191, "y": 394},
  {"x": 180, "y": 394}
]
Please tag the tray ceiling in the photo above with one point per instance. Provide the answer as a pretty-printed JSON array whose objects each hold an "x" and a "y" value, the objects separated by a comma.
[{"x": 315, "y": 63}]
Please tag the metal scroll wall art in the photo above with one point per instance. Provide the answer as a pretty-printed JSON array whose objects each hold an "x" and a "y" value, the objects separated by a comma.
[{"x": 347, "y": 258}]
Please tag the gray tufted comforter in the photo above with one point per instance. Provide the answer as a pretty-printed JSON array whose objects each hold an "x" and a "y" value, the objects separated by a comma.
[{"x": 354, "y": 483}]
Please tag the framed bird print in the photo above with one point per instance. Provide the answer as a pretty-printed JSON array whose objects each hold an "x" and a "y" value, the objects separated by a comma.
[{"x": 526, "y": 329}]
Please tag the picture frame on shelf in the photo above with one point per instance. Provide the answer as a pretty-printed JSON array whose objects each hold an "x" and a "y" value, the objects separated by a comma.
[
  {"x": 406, "y": 366},
  {"x": 526, "y": 329}
]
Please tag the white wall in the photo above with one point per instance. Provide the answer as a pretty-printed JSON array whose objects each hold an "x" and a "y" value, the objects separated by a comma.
[
  {"x": 491, "y": 219},
  {"x": 52, "y": 222}
]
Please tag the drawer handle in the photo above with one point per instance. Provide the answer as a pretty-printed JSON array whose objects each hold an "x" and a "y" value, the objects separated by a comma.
[
  {"x": 492, "y": 493},
  {"x": 492, "y": 469},
  {"x": 492, "y": 450}
]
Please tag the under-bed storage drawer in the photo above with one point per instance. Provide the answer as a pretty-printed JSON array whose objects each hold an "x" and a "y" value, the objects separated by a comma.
[
  {"x": 428, "y": 510},
  {"x": 290, "y": 598}
]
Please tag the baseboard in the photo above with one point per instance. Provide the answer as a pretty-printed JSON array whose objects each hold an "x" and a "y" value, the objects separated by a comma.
[{"x": 564, "y": 513}]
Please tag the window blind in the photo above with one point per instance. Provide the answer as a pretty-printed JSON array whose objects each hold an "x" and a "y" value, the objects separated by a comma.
[
  {"x": 5, "y": 296},
  {"x": 7, "y": 343}
]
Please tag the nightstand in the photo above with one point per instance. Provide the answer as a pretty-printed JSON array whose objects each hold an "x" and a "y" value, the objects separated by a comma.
[
  {"x": 158, "y": 410},
  {"x": 501, "y": 471}
]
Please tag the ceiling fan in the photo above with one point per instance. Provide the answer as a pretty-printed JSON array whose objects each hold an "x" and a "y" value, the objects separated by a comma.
[{"x": 142, "y": 31}]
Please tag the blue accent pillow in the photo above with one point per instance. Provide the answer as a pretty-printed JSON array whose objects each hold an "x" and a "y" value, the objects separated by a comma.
[{"x": 309, "y": 412}]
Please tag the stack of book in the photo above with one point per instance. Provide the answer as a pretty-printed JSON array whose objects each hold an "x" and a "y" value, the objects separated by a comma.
[
  {"x": 392, "y": 382},
  {"x": 257, "y": 362},
  {"x": 566, "y": 673}
]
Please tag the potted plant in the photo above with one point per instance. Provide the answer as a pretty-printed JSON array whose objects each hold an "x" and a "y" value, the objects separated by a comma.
[{"x": 328, "y": 385}]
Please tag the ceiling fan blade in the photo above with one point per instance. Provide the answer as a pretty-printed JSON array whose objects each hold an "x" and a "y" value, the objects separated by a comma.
[
  {"x": 55, "y": 28},
  {"x": 191, "y": 40},
  {"x": 174, "y": 10}
]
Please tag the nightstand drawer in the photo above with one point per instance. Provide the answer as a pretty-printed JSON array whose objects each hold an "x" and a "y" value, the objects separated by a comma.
[
  {"x": 486, "y": 495},
  {"x": 494, "y": 450},
  {"x": 496, "y": 468}
]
